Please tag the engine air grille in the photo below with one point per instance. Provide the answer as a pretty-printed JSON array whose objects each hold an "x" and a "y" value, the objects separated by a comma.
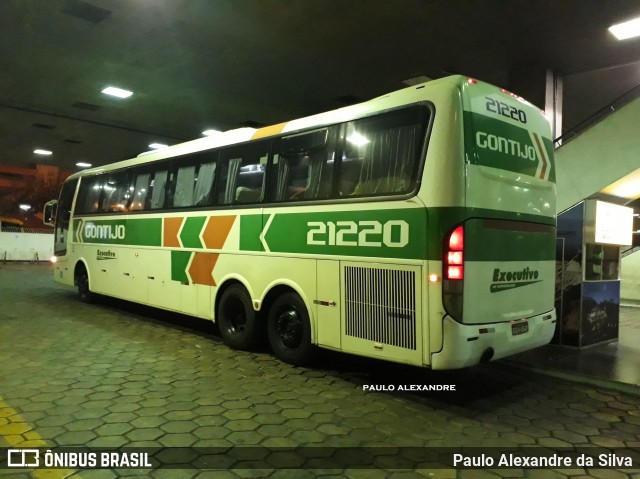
[{"x": 380, "y": 305}]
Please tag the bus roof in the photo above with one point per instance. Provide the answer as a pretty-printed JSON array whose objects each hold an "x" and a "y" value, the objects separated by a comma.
[{"x": 241, "y": 135}]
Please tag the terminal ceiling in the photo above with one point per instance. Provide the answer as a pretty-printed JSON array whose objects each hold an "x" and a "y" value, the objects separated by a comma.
[{"x": 221, "y": 64}]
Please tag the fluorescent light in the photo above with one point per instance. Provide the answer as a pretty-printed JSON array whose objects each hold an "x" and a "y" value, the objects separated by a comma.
[
  {"x": 42, "y": 152},
  {"x": 625, "y": 30},
  {"x": 211, "y": 132},
  {"x": 119, "y": 92},
  {"x": 82, "y": 164},
  {"x": 25, "y": 207},
  {"x": 157, "y": 146}
]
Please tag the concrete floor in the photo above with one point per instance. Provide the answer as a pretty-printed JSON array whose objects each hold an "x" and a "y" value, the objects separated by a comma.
[
  {"x": 614, "y": 364},
  {"x": 114, "y": 374}
]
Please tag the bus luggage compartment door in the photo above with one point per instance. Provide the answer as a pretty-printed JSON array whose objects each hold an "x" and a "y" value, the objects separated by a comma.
[
  {"x": 382, "y": 310},
  {"x": 509, "y": 270}
]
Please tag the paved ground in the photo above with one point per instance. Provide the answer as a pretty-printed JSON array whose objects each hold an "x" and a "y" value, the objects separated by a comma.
[{"x": 115, "y": 374}]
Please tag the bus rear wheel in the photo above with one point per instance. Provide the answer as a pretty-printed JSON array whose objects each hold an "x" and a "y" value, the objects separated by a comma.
[
  {"x": 82, "y": 281},
  {"x": 238, "y": 322},
  {"x": 289, "y": 331}
]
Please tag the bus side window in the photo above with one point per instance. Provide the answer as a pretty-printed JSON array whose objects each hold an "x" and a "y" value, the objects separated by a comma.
[
  {"x": 242, "y": 174},
  {"x": 88, "y": 200},
  {"x": 381, "y": 154},
  {"x": 185, "y": 181},
  {"x": 193, "y": 181},
  {"x": 203, "y": 191},
  {"x": 304, "y": 169},
  {"x": 158, "y": 187},
  {"x": 116, "y": 192},
  {"x": 140, "y": 191}
]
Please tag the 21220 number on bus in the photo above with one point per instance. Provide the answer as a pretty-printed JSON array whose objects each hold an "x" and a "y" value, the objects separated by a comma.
[{"x": 392, "y": 234}]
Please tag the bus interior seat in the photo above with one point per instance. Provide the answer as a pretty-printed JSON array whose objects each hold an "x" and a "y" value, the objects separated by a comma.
[
  {"x": 247, "y": 195},
  {"x": 249, "y": 186}
]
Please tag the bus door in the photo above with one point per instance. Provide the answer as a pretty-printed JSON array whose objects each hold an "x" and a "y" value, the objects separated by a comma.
[
  {"x": 63, "y": 217},
  {"x": 63, "y": 273}
]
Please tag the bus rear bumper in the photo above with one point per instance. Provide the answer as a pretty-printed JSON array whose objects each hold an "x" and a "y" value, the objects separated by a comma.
[{"x": 465, "y": 345}]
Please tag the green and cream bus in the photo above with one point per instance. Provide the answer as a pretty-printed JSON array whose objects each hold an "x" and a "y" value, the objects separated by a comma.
[{"x": 418, "y": 227}]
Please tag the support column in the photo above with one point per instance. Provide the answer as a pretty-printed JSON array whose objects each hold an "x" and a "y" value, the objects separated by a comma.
[{"x": 553, "y": 103}]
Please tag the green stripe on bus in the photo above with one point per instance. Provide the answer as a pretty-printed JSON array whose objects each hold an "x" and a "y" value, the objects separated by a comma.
[
  {"x": 134, "y": 232},
  {"x": 403, "y": 233},
  {"x": 190, "y": 234},
  {"x": 250, "y": 229},
  {"x": 144, "y": 232},
  {"x": 179, "y": 262},
  {"x": 375, "y": 233},
  {"x": 353, "y": 233}
]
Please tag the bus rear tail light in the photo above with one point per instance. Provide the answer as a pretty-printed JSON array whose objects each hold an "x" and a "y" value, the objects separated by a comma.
[
  {"x": 455, "y": 255},
  {"x": 453, "y": 273}
]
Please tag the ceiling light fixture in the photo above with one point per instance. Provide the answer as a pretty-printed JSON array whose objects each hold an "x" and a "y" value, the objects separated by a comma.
[
  {"x": 211, "y": 132},
  {"x": 119, "y": 92},
  {"x": 82, "y": 164},
  {"x": 157, "y": 146},
  {"x": 38, "y": 151},
  {"x": 625, "y": 30}
]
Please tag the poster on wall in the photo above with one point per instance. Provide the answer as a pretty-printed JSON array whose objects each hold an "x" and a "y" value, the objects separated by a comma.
[
  {"x": 600, "y": 311},
  {"x": 569, "y": 275}
]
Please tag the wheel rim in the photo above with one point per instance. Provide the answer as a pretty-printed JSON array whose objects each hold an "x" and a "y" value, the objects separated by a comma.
[
  {"x": 235, "y": 316},
  {"x": 289, "y": 328}
]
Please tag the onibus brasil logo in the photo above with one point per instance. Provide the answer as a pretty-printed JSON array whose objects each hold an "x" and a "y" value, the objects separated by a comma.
[{"x": 504, "y": 280}]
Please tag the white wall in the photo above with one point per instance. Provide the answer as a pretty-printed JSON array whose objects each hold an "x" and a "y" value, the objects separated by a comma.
[
  {"x": 24, "y": 246},
  {"x": 600, "y": 155},
  {"x": 630, "y": 275}
]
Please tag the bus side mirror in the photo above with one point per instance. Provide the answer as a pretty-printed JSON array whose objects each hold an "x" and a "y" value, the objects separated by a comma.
[{"x": 49, "y": 214}]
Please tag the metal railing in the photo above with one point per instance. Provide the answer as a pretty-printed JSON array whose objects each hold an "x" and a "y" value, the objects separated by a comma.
[{"x": 598, "y": 116}]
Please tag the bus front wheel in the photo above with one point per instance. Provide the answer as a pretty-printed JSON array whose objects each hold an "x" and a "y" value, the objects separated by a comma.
[
  {"x": 289, "y": 331},
  {"x": 237, "y": 320},
  {"x": 82, "y": 281}
]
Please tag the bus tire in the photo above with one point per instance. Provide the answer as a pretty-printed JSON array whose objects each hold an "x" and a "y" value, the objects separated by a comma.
[
  {"x": 82, "y": 281},
  {"x": 238, "y": 322},
  {"x": 289, "y": 330}
]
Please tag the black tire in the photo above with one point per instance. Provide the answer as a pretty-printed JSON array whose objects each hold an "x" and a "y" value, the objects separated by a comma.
[
  {"x": 82, "y": 282},
  {"x": 289, "y": 331},
  {"x": 240, "y": 326}
]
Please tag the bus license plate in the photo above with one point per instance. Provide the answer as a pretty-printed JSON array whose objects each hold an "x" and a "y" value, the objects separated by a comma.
[{"x": 519, "y": 328}]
